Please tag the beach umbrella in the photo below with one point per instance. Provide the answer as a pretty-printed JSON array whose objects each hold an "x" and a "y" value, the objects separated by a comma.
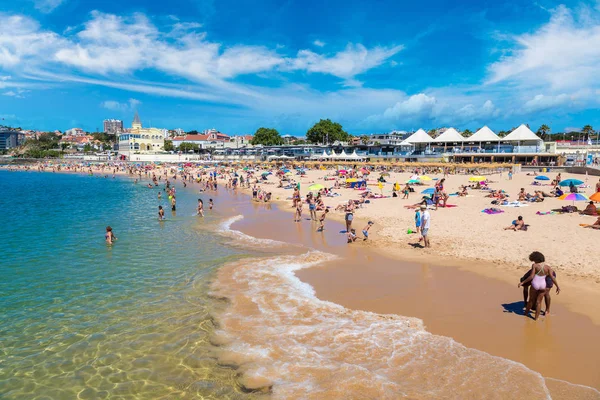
[
  {"x": 541, "y": 178},
  {"x": 428, "y": 191},
  {"x": 316, "y": 187},
  {"x": 351, "y": 180},
  {"x": 574, "y": 197},
  {"x": 288, "y": 173},
  {"x": 384, "y": 174},
  {"x": 364, "y": 170},
  {"x": 266, "y": 173},
  {"x": 412, "y": 181},
  {"x": 477, "y": 178},
  {"x": 425, "y": 178},
  {"x": 567, "y": 182},
  {"x": 343, "y": 172},
  {"x": 595, "y": 197}
]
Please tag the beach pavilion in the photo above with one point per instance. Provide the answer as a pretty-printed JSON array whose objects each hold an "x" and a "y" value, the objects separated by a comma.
[
  {"x": 527, "y": 141},
  {"x": 421, "y": 141},
  {"x": 449, "y": 137},
  {"x": 485, "y": 139}
]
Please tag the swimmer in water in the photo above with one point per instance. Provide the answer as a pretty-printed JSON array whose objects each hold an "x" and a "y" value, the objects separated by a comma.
[
  {"x": 200, "y": 208},
  {"x": 150, "y": 186},
  {"x": 210, "y": 204},
  {"x": 109, "y": 236},
  {"x": 159, "y": 195},
  {"x": 161, "y": 213}
]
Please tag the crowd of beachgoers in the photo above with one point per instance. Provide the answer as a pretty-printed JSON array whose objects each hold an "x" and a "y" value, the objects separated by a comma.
[{"x": 463, "y": 212}]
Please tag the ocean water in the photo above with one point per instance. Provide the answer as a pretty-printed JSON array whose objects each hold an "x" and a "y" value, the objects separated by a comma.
[{"x": 81, "y": 319}]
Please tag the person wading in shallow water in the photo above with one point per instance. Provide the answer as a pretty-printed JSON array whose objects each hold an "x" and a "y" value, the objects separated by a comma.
[
  {"x": 109, "y": 236},
  {"x": 349, "y": 215},
  {"x": 537, "y": 277}
]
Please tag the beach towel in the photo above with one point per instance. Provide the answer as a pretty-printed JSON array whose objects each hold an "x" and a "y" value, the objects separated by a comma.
[
  {"x": 546, "y": 213},
  {"x": 450, "y": 206},
  {"x": 492, "y": 211},
  {"x": 515, "y": 204}
]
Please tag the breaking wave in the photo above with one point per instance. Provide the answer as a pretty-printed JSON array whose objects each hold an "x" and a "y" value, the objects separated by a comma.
[{"x": 288, "y": 342}]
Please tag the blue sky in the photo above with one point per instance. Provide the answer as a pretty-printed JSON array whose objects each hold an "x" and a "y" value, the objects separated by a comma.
[{"x": 238, "y": 65}]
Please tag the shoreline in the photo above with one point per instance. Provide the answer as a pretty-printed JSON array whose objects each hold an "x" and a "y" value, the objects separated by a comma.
[{"x": 375, "y": 247}]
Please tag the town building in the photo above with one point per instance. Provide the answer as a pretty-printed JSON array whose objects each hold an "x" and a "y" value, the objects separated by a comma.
[
  {"x": 10, "y": 139},
  {"x": 113, "y": 126},
  {"x": 212, "y": 139},
  {"x": 140, "y": 140},
  {"x": 75, "y": 132}
]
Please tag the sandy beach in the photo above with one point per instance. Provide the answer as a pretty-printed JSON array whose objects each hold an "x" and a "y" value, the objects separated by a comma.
[{"x": 463, "y": 288}]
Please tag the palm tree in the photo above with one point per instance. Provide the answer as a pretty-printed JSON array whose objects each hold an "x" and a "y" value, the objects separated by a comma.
[
  {"x": 364, "y": 139},
  {"x": 542, "y": 132},
  {"x": 588, "y": 131},
  {"x": 466, "y": 133}
]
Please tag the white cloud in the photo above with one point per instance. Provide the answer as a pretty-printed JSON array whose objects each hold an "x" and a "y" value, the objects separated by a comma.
[
  {"x": 21, "y": 39},
  {"x": 47, "y": 6},
  {"x": 17, "y": 93},
  {"x": 319, "y": 43},
  {"x": 417, "y": 106},
  {"x": 354, "y": 60},
  {"x": 541, "y": 102},
  {"x": 562, "y": 54},
  {"x": 113, "y": 105}
]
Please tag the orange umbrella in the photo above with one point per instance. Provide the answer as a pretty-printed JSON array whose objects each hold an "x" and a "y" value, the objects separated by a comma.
[{"x": 595, "y": 197}]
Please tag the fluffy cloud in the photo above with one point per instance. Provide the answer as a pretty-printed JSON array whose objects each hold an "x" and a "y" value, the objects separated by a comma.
[
  {"x": 319, "y": 43},
  {"x": 354, "y": 60},
  {"x": 563, "y": 54},
  {"x": 542, "y": 103},
  {"x": 112, "y": 105},
  {"x": 21, "y": 39},
  {"x": 417, "y": 106}
]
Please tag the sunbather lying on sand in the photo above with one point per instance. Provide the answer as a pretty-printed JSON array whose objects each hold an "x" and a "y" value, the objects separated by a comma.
[{"x": 595, "y": 225}]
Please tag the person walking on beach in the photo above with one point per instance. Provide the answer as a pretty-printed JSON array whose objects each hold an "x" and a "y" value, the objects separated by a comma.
[
  {"x": 425, "y": 222},
  {"x": 109, "y": 236},
  {"x": 537, "y": 277},
  {"x": 312, "y": 207},
  {"x": 200, "y": 208},
  {"x": 349, "y": 215},
  {"x": 298, "y": 215}
]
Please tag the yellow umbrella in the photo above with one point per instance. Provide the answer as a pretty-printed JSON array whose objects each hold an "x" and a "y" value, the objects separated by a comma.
[
  {"x": 351, "y": 180},
  {"x": 424, "y": 178},
  {"x": 288, "y": 173},
  {"x": 477, "y": 178}
]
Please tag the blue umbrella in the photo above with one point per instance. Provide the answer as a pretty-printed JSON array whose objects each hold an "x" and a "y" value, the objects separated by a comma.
[
  {"x": 428, "y": 191},
  {"x": 567, "y": 182},
  {"x": 542, "y": 178}
]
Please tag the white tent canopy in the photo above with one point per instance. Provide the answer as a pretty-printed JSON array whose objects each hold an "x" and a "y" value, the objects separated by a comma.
[
  {"x": 419, "y": 136},
  {"x": 521, "y": 134},
  {"x": 450, "y": 135},
  {"x": 484, "y": 134},
  {"x": 405, "y": 143}
]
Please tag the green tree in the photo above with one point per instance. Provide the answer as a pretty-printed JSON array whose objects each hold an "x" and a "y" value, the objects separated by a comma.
[
  {"x": 325, "y": 131},
  {"x": 169, "y": 145},
  {"x": 364, "y": 139},
  {"x": 587, "y": 131},
  {"x": 185, "y": 147},
  {"x": 267, "y": 137},
  {"x": 543, "y": 131},
  {"x": 467, "y": 133},
  {"x": 87, "y": 148}
]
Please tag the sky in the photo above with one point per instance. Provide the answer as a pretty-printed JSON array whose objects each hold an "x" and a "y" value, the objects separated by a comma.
[{"x": 374, "y": 66}]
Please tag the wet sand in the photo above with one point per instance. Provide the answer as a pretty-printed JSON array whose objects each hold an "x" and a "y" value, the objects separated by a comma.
[{"x": 477, "y": 311}]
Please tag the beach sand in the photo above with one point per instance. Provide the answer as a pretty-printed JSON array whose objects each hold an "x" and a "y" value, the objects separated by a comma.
[
  {"x": 477, "y": 311},
  {"x": 464, "y": 287}
]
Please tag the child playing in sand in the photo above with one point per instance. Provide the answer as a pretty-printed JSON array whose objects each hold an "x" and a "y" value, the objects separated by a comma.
[
  {"x": 365, "y": 230},
  {"x": 322, "y": 221},
  {"x": 406, "y": 191},
  {"x": 352, "y": 236}
]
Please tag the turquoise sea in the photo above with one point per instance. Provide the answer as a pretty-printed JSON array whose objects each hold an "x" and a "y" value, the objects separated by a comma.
[{"x": 81, "y": 319}]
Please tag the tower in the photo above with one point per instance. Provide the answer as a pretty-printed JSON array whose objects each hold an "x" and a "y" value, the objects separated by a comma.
[{"x": 137, "y": 124}]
